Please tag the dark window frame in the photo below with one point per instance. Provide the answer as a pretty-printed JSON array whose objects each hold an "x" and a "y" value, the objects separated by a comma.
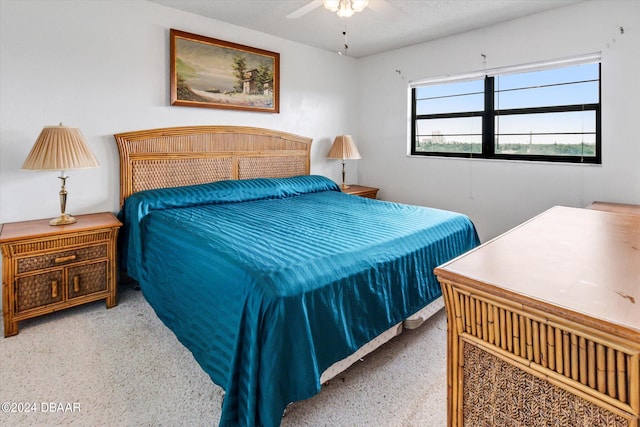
[{"x": 488, "y": 123}]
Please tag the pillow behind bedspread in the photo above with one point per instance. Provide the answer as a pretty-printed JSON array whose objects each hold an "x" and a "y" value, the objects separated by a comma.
[{"x": 140, "y": 204}]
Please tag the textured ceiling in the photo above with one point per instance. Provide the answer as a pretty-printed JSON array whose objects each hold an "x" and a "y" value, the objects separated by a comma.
[{"x": 382, "y": 26}]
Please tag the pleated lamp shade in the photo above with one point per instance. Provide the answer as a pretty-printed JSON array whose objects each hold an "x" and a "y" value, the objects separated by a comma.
[
  {"x": 60, "y": 148},
  {"x": 343, "y": 148}
]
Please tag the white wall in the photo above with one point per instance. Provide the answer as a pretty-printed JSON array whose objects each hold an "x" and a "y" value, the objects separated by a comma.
[
  {"x": 498, "y": 195},
  {"x": 104, "y": 66}
]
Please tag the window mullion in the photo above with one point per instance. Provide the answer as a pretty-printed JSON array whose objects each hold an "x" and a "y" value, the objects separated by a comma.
[
  {"x": 488, "y": 118},
  {"x": 414, "y": 125}
]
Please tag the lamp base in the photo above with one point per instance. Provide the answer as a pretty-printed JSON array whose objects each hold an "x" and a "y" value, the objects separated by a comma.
[
  {"x": 62, "y": 220},
  {"x": 345, "y": 186}
]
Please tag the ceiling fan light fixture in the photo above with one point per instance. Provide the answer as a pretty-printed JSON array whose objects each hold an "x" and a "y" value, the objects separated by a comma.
[{"x": 345, "y": 8}]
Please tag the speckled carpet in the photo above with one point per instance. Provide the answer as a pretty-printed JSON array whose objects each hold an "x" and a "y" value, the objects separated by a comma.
[{"x": 89, "y": 366}]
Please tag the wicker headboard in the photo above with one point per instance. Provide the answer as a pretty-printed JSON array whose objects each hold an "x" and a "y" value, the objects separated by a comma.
[{"x": 172, "y": 157}]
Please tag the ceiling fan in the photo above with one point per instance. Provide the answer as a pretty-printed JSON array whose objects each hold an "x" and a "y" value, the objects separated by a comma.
[{"x": 343, "y": 6}]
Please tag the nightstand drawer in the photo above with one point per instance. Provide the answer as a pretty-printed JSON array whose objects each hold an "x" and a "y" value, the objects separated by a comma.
[
  {"x": 87, "y": 279},
  {"x": 39, "y": 290},
  {"x": 55, "y": 259}
]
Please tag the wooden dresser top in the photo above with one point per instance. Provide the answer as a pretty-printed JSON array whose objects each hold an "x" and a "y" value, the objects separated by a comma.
[{"x": 578, "y": 263}]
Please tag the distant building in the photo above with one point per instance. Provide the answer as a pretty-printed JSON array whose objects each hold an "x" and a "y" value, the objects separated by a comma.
[
  {"x": 437, "y": 137},
  {"x": 267, "y": 88},
  {"x": 249, "y": 83}
]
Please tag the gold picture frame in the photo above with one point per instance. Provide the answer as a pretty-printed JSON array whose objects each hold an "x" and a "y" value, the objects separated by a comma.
[{"x": 211, "y": 73}]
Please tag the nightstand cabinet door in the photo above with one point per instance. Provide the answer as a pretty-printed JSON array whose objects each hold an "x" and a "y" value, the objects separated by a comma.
[
  {"x": 37, "y": 290},
  {"x": 87, "y": 279}
]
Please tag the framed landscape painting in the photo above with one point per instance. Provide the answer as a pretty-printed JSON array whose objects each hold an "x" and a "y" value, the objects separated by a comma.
[{"x": 213, "y": 73}]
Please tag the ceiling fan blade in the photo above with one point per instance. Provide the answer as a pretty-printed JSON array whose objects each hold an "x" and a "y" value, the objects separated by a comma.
[{"x": 313, "y": 4}]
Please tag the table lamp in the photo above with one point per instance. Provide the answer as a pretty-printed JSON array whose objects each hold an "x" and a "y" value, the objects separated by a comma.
[
  {"x": 60, "y": 148},
  {"x": 343, "y": 148}
]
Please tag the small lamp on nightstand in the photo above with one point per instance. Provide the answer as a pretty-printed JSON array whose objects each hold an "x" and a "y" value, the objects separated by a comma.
[
  {"x": 60, "y": 148},
  {"x": 343, "y": 148}
]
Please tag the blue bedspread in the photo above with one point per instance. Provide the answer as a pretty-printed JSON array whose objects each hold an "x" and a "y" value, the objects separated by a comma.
[{"x": 270, "y": 281}]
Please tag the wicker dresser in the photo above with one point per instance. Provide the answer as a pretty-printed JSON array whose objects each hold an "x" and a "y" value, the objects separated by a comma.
[
  {"x": 544, "y": 324},
  {"x": 49, "y": 268}
]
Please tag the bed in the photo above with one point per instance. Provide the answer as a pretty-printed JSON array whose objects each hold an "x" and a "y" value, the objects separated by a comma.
[{"x": 273, "y": 278}]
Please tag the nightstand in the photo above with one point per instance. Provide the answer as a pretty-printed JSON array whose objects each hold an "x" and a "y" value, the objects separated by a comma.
[
  {"x": 49, "y": 268},
  {"x": 360, "y": 190}
]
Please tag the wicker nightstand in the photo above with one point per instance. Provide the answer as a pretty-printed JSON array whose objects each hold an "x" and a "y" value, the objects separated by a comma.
[
  {"x": 360, "y": 190},
  {"x": 49, "y": 268}
]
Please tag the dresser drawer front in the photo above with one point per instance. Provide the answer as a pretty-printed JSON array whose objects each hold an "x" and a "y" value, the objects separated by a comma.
[
  {"x": 87, "y": 279},
  {"x": 54, "y": 259},
  {"x": 39, "y": 290},
  {"x": 498, "y": 393}
]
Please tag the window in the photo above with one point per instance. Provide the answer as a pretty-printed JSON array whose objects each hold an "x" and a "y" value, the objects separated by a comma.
[{"x": 543, "y": 112}]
